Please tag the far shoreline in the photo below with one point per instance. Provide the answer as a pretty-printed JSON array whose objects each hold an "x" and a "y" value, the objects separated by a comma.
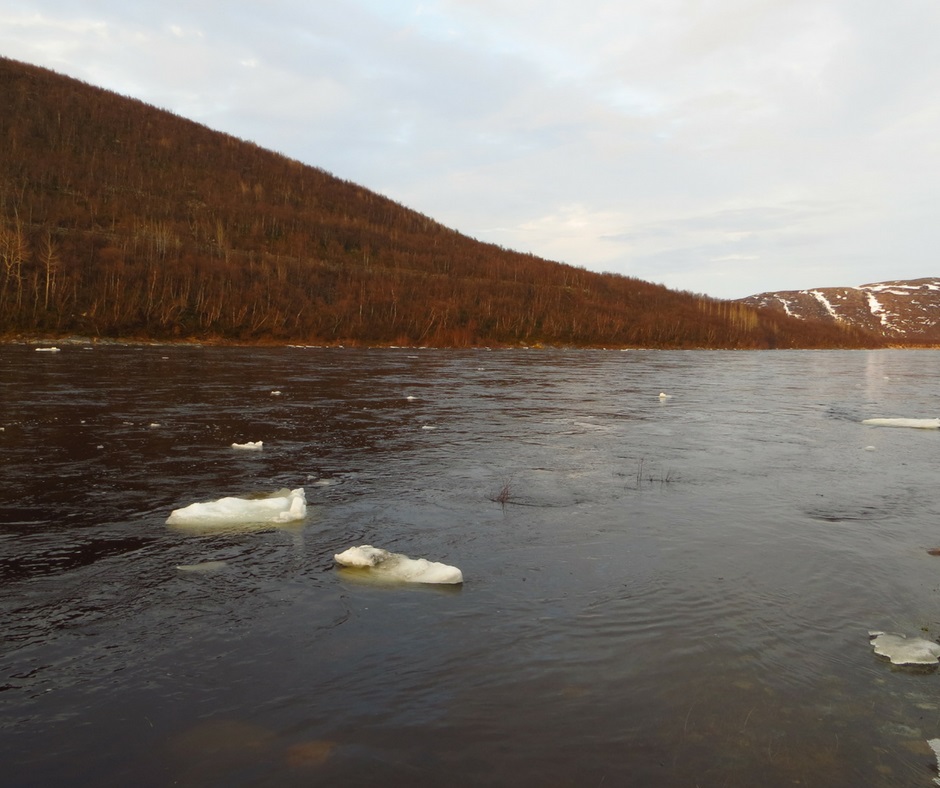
[{"x": 212, "y": 342}]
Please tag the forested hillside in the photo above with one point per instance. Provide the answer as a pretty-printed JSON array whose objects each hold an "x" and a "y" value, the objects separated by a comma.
[{"x": 118, "y": 219}]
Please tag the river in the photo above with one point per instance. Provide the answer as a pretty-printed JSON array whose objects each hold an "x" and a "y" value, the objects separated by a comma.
[{"x": 669, "y": 590}]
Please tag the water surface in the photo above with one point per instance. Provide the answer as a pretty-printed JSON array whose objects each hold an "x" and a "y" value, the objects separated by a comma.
[{"x": 677, "y": 591}]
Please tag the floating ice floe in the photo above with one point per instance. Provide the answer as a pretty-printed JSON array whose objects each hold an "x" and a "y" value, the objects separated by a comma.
[
  {"x": 249, "y": 446},
  {"x": 902, "y": 650},
  {"x": 275, "y": 393},
  {"x": 381, "y": 564},
  {"x": 48, "y": 350},
  {"x": 935, "y": 746},
  {"x": 203, "y": 566},
  {"x": 282, "y": 507},
  {"x": 664, "y": 395},
  {"x": 919, "y": 424}
]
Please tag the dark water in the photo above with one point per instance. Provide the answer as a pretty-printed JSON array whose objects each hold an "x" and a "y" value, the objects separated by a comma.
[{"x": 678, "y": 591}]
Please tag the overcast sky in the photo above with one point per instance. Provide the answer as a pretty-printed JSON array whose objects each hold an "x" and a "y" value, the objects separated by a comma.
[{"x": 725, "y": 147}]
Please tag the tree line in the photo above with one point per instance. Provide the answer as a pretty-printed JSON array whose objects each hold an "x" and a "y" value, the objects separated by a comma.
[{"x": 118, "y": 219}]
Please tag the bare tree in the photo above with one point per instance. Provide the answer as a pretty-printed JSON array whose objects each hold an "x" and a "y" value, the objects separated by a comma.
[
  {"x": 49, "y": 260},
  {"x": 14, "y": 251}
]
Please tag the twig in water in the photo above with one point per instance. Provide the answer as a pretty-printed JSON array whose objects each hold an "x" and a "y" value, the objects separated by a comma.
[
  {"x": 685, "y": 725},
  {"x": 746, "y": 719},
  {"x": 505, "y": 493}
]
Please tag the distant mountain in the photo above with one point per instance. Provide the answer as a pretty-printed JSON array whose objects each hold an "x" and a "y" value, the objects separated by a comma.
[
  {"x": 118, "y": 219},
  {"x": 902, "y": 311}
]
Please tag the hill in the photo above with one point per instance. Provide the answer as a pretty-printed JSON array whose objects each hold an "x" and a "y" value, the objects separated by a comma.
[
  {"x": 901, "y": 311},
  {"x": 118, "y": 219}
]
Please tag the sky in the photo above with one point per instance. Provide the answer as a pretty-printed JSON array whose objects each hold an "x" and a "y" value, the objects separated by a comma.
[{"x": 724, "y": 147}]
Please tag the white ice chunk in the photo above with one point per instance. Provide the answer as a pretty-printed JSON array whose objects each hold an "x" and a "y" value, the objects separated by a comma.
[
  {"x": 935, "y": 746},
  {"x": 283, "y": 506},
  {"x": 920, "y": 424},
  {"x": 249, "y": 446},
  {"x": 48, "y": 350},
  {"x": 275, "y": 393},
  {"x": 664, "y": 395},
  {"x": 394, "y": 566},
  {"x": 902, "y": 650}
]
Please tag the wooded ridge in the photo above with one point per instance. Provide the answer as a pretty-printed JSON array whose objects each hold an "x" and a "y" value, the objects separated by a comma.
[{"x": 121, "y": 220}]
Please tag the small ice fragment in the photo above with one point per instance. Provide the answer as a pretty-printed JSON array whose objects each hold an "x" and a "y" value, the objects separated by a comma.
[
  {"x": 394, "y": 566},
  {"x": 902, "y": 650},
  {"x": 155, "y": 424},
  {"x": 869, "y": 448},
  {"x": 283, "y": 506},
  {"x": 411, "y": 398},
  {"x": 249, "y": 446},
  {"x": 664, "y": 395},
  {"x": 204, "y": 566},
  {"x": 275, "y": 393},
  {"x": 935, "y": 746},
  {"x": 48, "y": 350},
  {"x": 919, "y": 424}
]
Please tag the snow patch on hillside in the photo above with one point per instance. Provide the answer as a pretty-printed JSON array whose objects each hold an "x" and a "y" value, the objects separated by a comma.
[
  {"x": 894, "y": 288},
  {"x": 877, "y": 310},
  {"x": 825, "y": 303},
  {"x": 786, "y": 307}
]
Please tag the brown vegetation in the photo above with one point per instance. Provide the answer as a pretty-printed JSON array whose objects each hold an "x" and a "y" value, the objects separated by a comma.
[
  {"x": 121, "y": 220},
  {"x": 904, "y": 312}
]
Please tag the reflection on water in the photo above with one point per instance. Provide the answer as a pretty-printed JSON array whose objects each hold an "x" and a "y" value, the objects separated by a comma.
[{"x": 658, "y": 591}]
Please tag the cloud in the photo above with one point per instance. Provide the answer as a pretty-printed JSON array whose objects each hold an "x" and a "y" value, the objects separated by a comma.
[{"x": 727, "y": 147}]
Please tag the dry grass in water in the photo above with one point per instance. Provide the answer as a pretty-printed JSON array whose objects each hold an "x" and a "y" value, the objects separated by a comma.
[
  {"x": 504, "y": 495},
  {"x": 642, "y": 475}
]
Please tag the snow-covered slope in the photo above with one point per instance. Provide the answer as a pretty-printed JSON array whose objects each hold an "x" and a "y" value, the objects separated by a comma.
[{"x": 903, "y": 310}]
